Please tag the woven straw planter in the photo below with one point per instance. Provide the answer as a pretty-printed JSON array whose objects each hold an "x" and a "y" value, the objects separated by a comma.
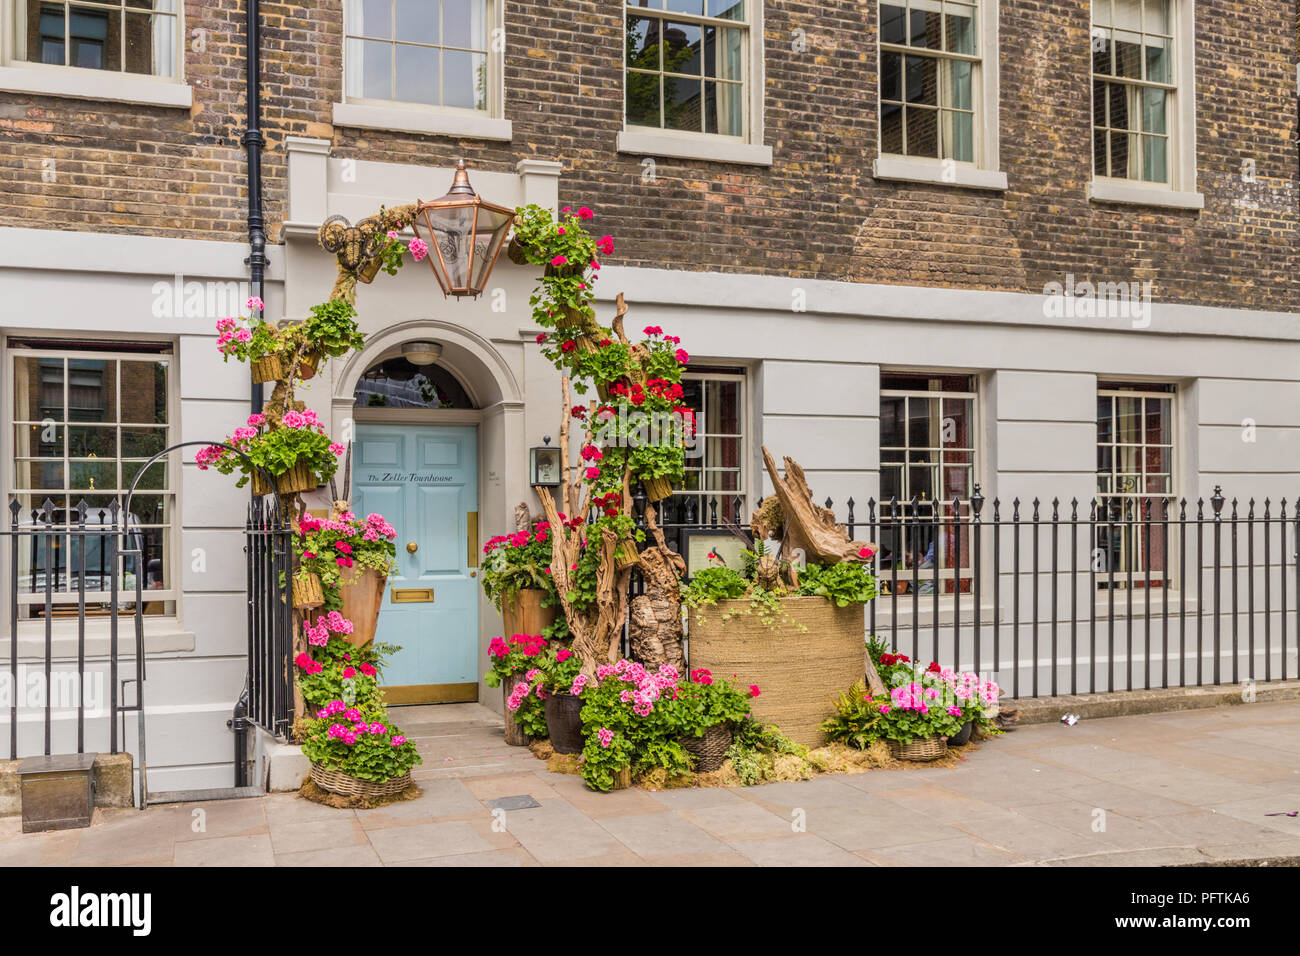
[
  {"x": 363, "y": 594},
  {"x": 626, "y": 554},
  {"x": 307, "y": 591},
  {"x": 370, "y": 270},
  {"x": 920, "y": 750},
  {"x": 298, "y": 478},
  {"x": 564, "y": 723},
  {"x": 524, "y": 613},
  {"x": 517, "y": 252},
  {"x": 515, "y": 735},
  {"x": 709, "y": 749},
  {"x": 336, "y": 781},
  {"x": 657, "y": 489},
  {"x": 269, "y": 368},
  {"x": 798, "y": 673}
]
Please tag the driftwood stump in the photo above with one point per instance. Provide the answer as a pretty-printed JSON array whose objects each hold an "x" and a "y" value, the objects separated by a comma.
[{"x": 655, "y": 622}]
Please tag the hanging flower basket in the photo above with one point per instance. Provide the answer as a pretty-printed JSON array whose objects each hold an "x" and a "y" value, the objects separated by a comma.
[
  {"x": 298, "y": 478},
  {"x": 657, "y": 489},
  {"x": 362, "y": 594},
  {"x": 268, "y": 368},
  {"x": 307, "y": 591},
  {"x": 523, "y": 612},
  {"x": 625, "y": 554},
  {"x": 336, "y": 781},
  {"x": 307, "y": 367},
  {"x": 371, "y": 269},
  {"x": 919, "y": 751},
  {"x": 709, "y": 749},
  {"x": 517, "y": 252}
]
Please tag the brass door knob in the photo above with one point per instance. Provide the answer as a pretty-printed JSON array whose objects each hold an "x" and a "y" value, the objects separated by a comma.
[{"x": 412, "y": 547}]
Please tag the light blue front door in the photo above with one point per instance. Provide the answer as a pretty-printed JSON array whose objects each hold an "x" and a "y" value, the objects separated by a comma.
[{"x": 424, "y": 480}]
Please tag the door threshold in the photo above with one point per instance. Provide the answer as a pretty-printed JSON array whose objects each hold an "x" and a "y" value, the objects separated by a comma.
[
  {"x": 197, "y": 796},
  {"x": 401, "y": 694}
]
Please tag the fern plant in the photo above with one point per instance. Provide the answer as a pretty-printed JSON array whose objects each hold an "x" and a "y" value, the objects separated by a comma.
[{"x": 857, "y": 718}]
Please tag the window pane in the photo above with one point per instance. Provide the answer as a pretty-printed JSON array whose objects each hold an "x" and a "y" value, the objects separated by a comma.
[
  {"x": 1129, "y": 419},
  {"x": 959, "y": 30},
  {"x": 924, "y": 29},
  {"x": 462, "y": 24},
  {"x": 1105, "y": 421},
  {"x": 1153, "y": 111},
  {"x": 723, "y": 112},
  {"x": 643, "y": 47},
  {"x": 417, "y": 20},
  {"x": 682, "y": 103},
  {"x": 417, "y": 74},
  {"x": 694, "y": 7},
  {"x": 682, "y": 44},
  {"x": 956, "y": 427},
  {"x": 376, "y": 18},
  {"x": 92, "y": 442},
  {"x": 891, "y": 421},
  {"x": 38, "y": 389},
  {"x": 891, "y": 76},
  {"x": 1158, "y": 414},
  {"x": 920, "y": 412},
  {"x": 922, "y": 80},
  {"x": 957, "y": 84},
  {"x": 144, "y": 392},
  {"x": 1101, "y": 52},
  {"x": 726, "y": 9},
  {"x": 922, "y": 132},
  {"x": 464, "y": 77},
  {"x": 643, "y": 99},
  {"x": 1128, "y": 55},
  {"x": 150, "y": 44},
  {"x": 891, "y": 128},
  {"x": 370, "y": 69},
  {"x": 893, "y": 21},
  {"x": 1159, "y": 60},
  {"x": 1155, "y": 160},
  {"x": 92, "y": 390}
]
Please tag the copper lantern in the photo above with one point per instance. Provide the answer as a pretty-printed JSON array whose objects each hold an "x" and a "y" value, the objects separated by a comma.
[{"x": 465, "y": 235}]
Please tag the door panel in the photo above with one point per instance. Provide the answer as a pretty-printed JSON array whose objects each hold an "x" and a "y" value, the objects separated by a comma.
[{"x": 424, "y": 480}]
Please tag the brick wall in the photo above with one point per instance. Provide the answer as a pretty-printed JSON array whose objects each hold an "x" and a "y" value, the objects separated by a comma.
[{"x": 817, "y": 212}]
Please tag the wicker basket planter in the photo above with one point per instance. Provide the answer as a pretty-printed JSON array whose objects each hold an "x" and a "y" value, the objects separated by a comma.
[
  {"x": 515, "y": 735},
  {"x": 626, "y": 554},
  {"x": 564, "y": 723},
  {"x": 336, "y": 781},
  {"x": 297, "y": 478},
  {"x": 307, "y": 591},
  {"x": 709, "y": 749},
  {"x": 798, "y": 672},
  {"x": 269, "y": 368},
  {"x": 517, "y": 252},
  {"x": 920, "y": 750},
  {"x": 524, "y": 613},
  {"x": 370, "y": 270},
  {"x": 657, "y": 489},
  {"x": 962, "y": 736}
]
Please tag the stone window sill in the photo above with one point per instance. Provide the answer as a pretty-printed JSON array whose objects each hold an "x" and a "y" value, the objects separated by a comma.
[
  {"x": 161, "y": 635},
  {"x": 714, "y": 149},
  {"x": 426, "y": 122},
  {"x": 96, "y": 85},
  {"x": 1143, "y": 195},
  {"x": 911, "y": 169}
]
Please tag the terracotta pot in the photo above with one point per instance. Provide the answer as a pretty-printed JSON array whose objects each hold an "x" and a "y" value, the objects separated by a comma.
[
  {"x": 515, "y": 735},
  {"x": 363, "y": 594},
  {"x": 307, "y": 591},
  {"x": 525, "y": 614},
  {"x": 564, "y": 723}
]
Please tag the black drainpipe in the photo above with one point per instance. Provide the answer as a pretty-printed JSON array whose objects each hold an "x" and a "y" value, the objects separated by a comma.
[{"x": 253, "y": 142}]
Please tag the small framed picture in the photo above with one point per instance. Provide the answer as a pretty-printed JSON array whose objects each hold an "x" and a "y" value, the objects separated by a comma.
[{"x": 704, "y": 547}]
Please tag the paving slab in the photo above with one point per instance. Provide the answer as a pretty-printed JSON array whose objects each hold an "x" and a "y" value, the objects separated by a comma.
[{"x": 1176, "y": 789}]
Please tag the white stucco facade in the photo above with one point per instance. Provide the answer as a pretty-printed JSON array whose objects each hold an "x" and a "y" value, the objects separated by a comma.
[{"x": 812, "y": 354}]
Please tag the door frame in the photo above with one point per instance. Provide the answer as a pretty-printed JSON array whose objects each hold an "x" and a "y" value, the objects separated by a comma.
[{"x": 431, "y": 417}]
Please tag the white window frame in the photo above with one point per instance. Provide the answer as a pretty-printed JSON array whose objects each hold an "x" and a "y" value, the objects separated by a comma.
[
  {"x": 1103, "y": 498},
  {"x": 399, "y": 116},
  {"x": 1180, "y": 192},
  {"x": 986, "y": 171},
  {"x": 748, "y": 149},
  {"x": 9, "y": 356},
  {"x": 21, "y": 76},
  {"x": 743, "y": 468},
  {"x": 938, "y": 571}
]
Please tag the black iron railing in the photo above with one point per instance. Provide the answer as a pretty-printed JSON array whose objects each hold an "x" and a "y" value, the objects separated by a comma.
[{"x": 1116, "y": 593}]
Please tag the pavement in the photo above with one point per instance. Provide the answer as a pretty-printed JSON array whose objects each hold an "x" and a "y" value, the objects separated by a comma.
[{"x": 1157, "y": 789}]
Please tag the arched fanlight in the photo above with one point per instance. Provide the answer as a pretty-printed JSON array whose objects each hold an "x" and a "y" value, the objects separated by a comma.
[{"x": 465, "y": 234}]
